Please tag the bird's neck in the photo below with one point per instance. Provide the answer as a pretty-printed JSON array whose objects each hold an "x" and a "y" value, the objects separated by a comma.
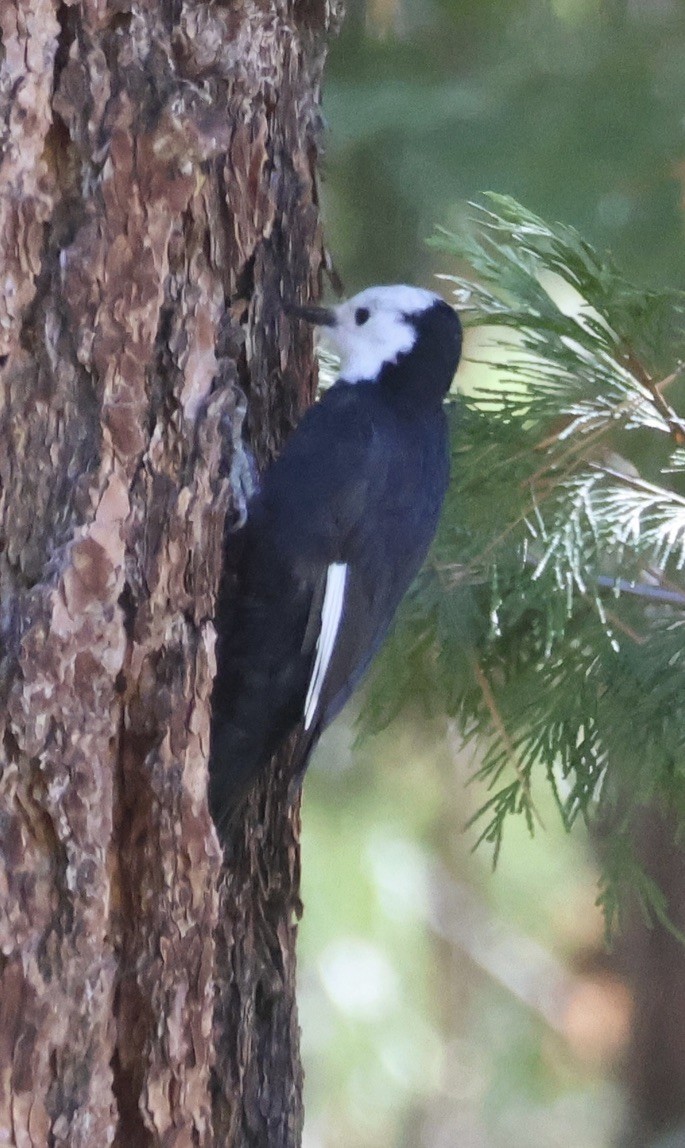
[{"x": 418, "y": 381}]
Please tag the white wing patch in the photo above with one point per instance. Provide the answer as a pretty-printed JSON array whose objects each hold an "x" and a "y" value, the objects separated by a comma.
[{"x": 331, "y": 613}]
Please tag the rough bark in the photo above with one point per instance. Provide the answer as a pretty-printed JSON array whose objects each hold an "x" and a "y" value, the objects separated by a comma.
[
  {"x": 157, "y": 195},
  {"x": 653, "y": 959}
]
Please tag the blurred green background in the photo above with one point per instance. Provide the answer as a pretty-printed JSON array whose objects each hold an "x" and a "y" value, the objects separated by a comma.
[{"x": 441, "y": 1004}]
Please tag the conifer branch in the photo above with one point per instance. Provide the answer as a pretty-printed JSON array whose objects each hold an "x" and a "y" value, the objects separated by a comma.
[{"x": 569, "y": 491}]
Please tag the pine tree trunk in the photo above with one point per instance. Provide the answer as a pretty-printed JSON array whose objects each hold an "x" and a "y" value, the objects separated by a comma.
[
  {"x": 653, "y": 959},
  {"x": 157, "y": 195}
]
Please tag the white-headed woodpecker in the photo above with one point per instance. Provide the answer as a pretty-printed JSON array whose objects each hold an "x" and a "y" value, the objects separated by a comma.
[{"x": 335, "y": 535}]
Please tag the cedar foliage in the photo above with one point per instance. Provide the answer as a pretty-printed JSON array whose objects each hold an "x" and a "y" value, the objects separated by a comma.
[{"x": 550, "y": 621}]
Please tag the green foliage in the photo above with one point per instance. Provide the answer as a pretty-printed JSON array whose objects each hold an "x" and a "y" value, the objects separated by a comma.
[{"x": 550, "y": 622}]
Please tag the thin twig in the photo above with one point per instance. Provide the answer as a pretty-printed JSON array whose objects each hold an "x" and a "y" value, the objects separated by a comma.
[
  {"x": 616, "y": 621},
  {"x": 675, "y": 424},
  {"x": 671, "y": 596},
  {"x": 661, "y": 386},
  {"x": 578, "y": 446}
]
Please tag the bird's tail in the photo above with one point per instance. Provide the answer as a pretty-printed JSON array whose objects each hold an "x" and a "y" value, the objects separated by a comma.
[{"x": 235, "y": 763}]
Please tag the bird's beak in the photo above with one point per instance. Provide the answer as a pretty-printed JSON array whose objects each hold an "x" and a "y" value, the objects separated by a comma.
[{"x": 320, "y": 316}]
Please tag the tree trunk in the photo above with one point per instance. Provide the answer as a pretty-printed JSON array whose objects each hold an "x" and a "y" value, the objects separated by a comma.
[
  {"x": 653, "y": 959},
  {"x": 157, "y": 195}
]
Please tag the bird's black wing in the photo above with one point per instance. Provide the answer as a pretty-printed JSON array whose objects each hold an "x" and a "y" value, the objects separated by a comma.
[
  {"x": 269, "y": 608},
  {"x": 403, "y": 473},
  {"x": 344, "y": 516}
]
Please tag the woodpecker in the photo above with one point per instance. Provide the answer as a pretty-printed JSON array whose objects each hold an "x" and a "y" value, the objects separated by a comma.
[{"x": 335, "y": 534}]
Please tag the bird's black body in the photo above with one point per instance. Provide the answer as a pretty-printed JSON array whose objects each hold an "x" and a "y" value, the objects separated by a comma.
[{"x": 360, "y": 482}]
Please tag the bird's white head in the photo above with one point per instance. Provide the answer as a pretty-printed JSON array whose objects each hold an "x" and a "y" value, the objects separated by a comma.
[{"x": 372, "y": 328}]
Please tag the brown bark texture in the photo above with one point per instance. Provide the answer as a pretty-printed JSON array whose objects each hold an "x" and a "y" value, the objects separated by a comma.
[
  {"x": 652, "y": 958},
  {"x": 157, "y": 197}
]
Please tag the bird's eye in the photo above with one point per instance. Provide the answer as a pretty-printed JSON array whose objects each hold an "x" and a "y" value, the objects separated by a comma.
[{"x": 361, "y": 315}]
